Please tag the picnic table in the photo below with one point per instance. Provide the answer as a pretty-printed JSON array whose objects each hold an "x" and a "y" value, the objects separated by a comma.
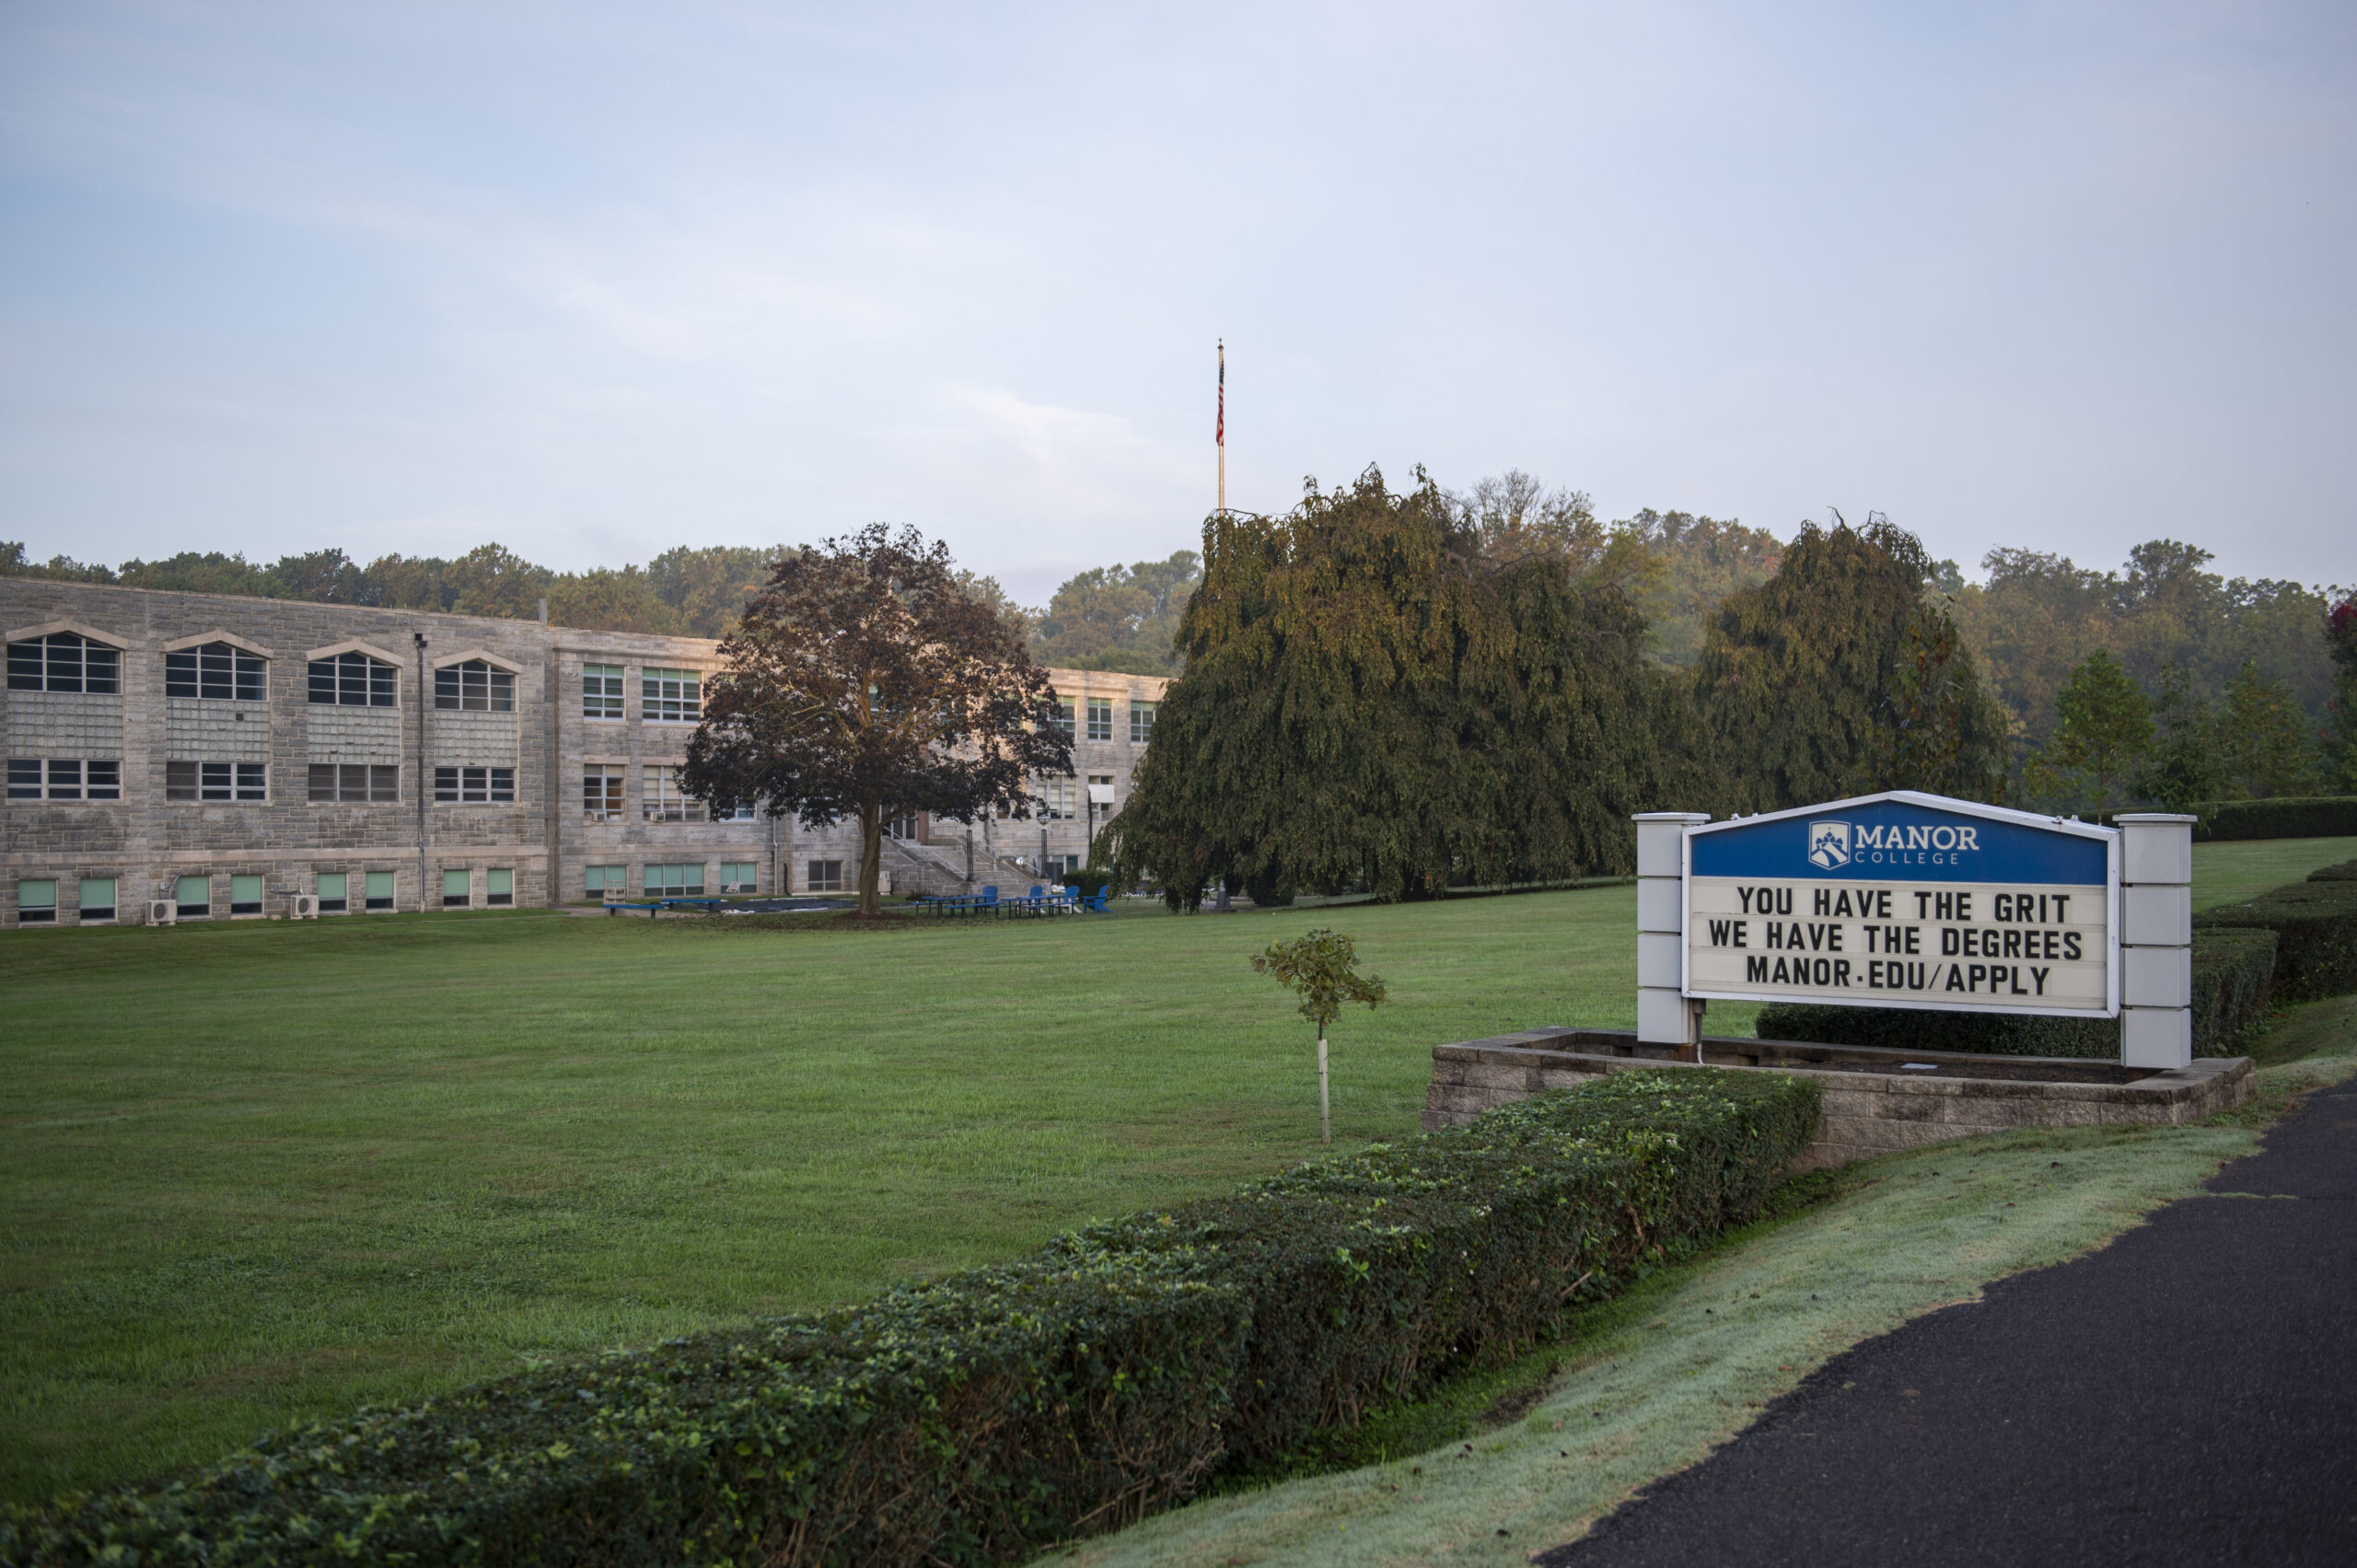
[{"x": 989, "y": 905}]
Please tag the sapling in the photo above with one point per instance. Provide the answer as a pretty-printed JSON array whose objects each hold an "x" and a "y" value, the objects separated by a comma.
[{"x": 1323, "y": 968}]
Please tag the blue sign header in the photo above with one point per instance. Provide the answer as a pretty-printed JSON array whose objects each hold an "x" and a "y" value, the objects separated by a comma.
[{"x": 1898, "y": 841}]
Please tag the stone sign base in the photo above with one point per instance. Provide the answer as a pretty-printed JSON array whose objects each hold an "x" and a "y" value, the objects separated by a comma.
[{"x": 1872, "y": 1105}]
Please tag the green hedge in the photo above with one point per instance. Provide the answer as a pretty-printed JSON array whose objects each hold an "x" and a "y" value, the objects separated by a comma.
[
  {"x": 2344, "y": 872},
  {"x": 2291, "y": 817},
  {"x": 2232, "y": 979},
  {"x": 2316, "y": 929},
  {"x": 980, "y": 1418}
]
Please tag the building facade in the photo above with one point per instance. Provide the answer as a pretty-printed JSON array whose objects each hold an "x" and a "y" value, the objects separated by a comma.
[{"x": 200, "y": 756}]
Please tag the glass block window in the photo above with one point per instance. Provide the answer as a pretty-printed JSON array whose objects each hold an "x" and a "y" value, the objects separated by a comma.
[
  {"x": 660, "y": 800},
  {"x": 458, "y": 892},
  {"x": 474, "y": 786},
  {"x": 216, "y": 781},
  {"x": 601, "y": 793},
  {"x": 379, "y": 890},
  {"x": 670, "y": 696},
  {"x": 97, "y": 899},
  {"x": 36, "y": 901},
  {"x": 673, "y": 881},
  {"x": 474, "y": 687},
  {"x": 64, "y": 661},
  {"x": 605, "y": 881},
  {"x": 217, "y": 670},
  {"x": 601, "y": 692},
  {"x": 738, "y": 877},
  {"x": 1100, "y": 719},
  {"x": 352, "y": 680},
  {"x": 499, "y": 886},
  {"x": 1141, "y": 723},
  {"x": 335, "y": 893},
  {"x": 245, "y": 895},
  {"x": 355, "y": 783},
  {"x": 824, "y": 875},
  {"x": 192, "y": 897}
]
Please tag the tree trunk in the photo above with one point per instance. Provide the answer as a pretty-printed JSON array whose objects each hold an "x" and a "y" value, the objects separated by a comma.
[
  {"x": 871, "y": 854},
  {"x": 1325, "y": 1118}
]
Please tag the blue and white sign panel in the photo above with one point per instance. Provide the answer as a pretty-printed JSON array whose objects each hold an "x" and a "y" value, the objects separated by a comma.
[{"x": 1905, "y": 900}]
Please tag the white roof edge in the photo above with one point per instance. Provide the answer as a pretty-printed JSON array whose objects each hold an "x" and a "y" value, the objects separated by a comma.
[{"x": 2040, "y": 820}]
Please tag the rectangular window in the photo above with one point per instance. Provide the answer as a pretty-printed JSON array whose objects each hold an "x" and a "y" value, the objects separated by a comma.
[
  {"x": 1141, "y": 723},
  {"x": 333, "y": 893},
  {"x": 824, "y": 876},
  {"x": 104, "y": 779},
  {"x": 670, "y": 696},
  {"x": 60, "y": 778},
  {"x": 474, "y": 687},
  {"x": 245, "y": 895},
  {"x": 353, "y": 783},
  {"x": 1062, "y": 716},
  {"x": 192, "y": 897},
  {"x": 660, "y": 799},
  {"x": 475, "y": 786},
  {"x": 24, "y": 778},
  {"x": 601, "y": 692},
  {"x": 62, "y": 661},
  {"x": 673, "y": 881},
  {"x": 458, "y": 892},
  {"x": 216, "y": 781},
  {"x": 605, "y": 881},
  {"x": 736, "y": 876},
  {"x": 499, "y": 886},
  {"x": 64, "y": 780},
  {"x": 380, "y": 890},
  {"x": 97, "y": 899},
  {"x": 36, "y": 901},
  {"x": 353, "y": 680},
  {"x": 1100, "y": 719},
  {"x": 601, "y": 793},
  {"x": 217, "y": 672},
  {"x": 1056, "y": 798}
]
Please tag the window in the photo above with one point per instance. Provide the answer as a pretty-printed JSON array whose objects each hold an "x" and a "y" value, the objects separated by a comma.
[
  {"x": 499, "y": 886},
  {"x": 24, "y": 778},
  {"x": 458, "y": 891},
  {"x": 1100, "y": 793},
  {"x": 825, "y": 877},
  {"x": 601, "y": 692},
  {"x": 475, "y": 786},
  {"x": 245, "y": 895},
  {"x": 742, "y": 812},
  {"x": 355, "y": 783},
  {"x": 670, "y": 696},
  {"x": 1062, "y": 866},
  {"x": 607, "y": 881},
  {"x": 192, "y": 897},
  {"x": 601, "y": 793},
  {"x": 1100, "y": 719},
  {"x": 1061, "y": 716},
  {"x": 352, "y": 680},
  {"x": 97, "y": 899},
  {"x": 475, "y": 687},
  {"x": 215, "y": 781},
  {"x": 379, "y": 888},
  {"x": 903, "y": 828},
  {"x": 1057, "y": 793},
  {"x": 67, "y": 779},
  {"x": 660, "y": 799},
  {"x": 334, "y": 891},
  {"x": 63, "y": 662},
  {"x": 1141, "y": 723},
  {"x": 736, "y": 876},
  {"x": 674, "y": 881},
  {"x": 36, "y": 901},
  {"x": 218, "y": 670}
]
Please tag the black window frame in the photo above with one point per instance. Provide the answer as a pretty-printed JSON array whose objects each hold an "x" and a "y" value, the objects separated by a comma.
[
  {"x": 217, "y": 672},
  {"x": 353, "y": 679},
  {"x": 37, "y": 664},
  {"x": 474, "y": 686},
  {"x": 460, "y": 786}
]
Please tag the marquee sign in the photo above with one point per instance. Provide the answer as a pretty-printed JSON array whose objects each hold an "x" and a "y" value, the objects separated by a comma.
[{"x": 1904, "y": 899}]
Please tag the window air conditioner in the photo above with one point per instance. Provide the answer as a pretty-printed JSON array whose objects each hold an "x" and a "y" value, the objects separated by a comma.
[
  {"x": 163, "y": 912},
  {"x": 303, "y": 906}
]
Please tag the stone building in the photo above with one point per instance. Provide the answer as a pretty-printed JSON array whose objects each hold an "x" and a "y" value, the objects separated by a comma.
[{"x": 219, "y": 756}]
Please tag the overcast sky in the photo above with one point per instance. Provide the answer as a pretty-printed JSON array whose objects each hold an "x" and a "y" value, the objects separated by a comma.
[{"x": 597, "y": 281}]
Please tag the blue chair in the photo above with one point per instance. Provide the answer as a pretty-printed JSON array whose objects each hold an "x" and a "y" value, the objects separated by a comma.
[{"x": 990, "y": 892}]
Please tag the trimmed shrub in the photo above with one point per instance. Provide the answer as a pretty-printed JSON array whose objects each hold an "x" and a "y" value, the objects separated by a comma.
[
  {"x": 2234, "y": 980},
  {"x": 2315, "y": 930},
  {"x": 2290, "y": 817},
  {"x": 980, "y": 1418},
  {"x": 2344, "y": 872}
]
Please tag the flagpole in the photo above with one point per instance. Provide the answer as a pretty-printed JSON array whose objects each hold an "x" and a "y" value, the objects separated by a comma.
[{"x": 1219, "y": 431}]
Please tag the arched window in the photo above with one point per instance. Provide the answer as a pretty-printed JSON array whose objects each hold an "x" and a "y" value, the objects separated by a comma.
[
  {"x": 474, "y": 686},
  {"x": 217, "y": 670},
  {"x": 64, "y": 661},
  {"x": 352, "y": 680}
]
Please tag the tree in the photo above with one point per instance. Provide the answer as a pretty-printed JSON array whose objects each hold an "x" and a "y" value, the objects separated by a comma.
[
  {"x": 1124, "y": 618},
  {"x": 2182, "y": 767},
  {"x": 2262, "y": 744},
  {"x": 1322, "y": 967},
  {"x": 862, "y": 682},
  {"x": 2105, "y": 730},
  {"x": 2339, "y": 735},
  {"x": 1702, "y": 561},
  {"x": 1370, "y": 702}
]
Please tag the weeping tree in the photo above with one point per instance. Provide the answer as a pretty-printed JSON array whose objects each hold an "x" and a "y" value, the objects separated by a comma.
[
  {"x": 1843, "y": 674},
  {"x": 1381, "y": 695},
  {"x": 866, "y": 682}
]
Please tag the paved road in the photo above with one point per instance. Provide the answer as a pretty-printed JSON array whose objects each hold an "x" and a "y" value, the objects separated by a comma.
[{"x": 2188, "y": 1395}]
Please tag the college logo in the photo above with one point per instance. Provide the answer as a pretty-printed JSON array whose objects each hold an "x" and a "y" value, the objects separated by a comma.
[{"x": 1828, "y": 845}]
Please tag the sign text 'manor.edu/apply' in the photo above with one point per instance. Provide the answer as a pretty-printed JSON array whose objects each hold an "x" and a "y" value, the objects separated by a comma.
[{"x": 1905, "y": 901}]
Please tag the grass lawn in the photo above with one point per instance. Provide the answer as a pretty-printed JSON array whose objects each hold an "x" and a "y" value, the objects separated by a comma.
[
  {"x": 2224, "y": 874},
  {"x": 255, "y": 1174}
]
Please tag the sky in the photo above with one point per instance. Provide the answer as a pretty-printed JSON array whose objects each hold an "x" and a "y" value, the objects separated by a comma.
[{"x": 595, "y": 281}]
